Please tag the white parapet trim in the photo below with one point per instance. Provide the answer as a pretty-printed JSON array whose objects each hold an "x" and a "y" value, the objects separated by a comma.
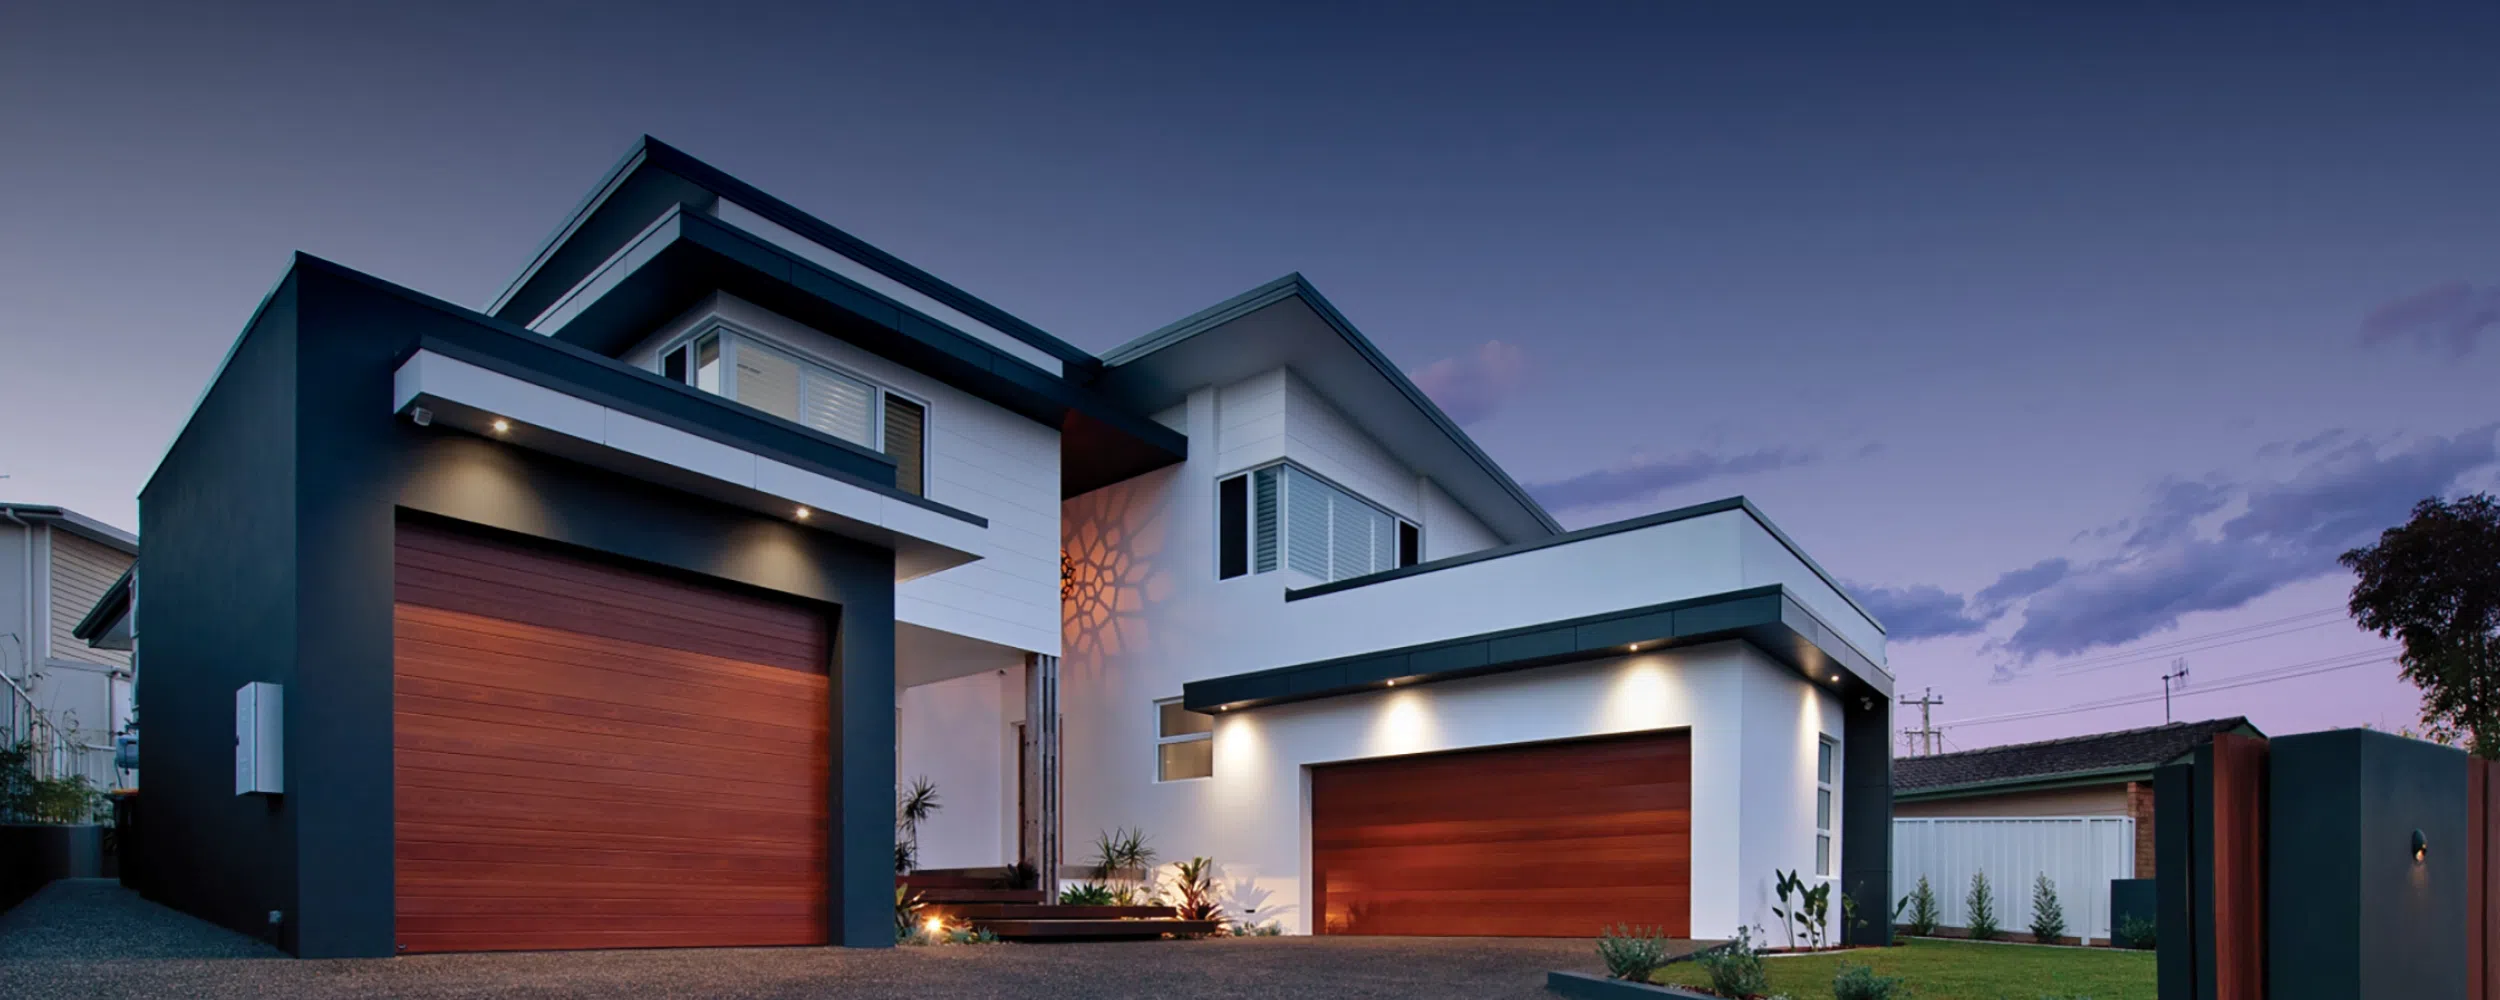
[{"x": 461, "y": 395}]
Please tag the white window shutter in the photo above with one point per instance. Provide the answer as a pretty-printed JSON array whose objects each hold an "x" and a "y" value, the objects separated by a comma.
[{"x": 840, "y": 406}]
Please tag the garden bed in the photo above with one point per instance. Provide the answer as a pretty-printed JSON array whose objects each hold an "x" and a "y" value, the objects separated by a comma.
[{"x": 1959, "y": 970}]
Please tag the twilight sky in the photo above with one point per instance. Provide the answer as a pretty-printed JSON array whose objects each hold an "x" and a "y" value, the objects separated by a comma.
[{"x": 2077, "y": 341}]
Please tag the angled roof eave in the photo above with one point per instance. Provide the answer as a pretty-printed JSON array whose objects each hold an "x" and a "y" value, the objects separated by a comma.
[
  {"x": 653, "y": 153},
  {"x": 108, "y": 609},
  {"x": 78, "y": 524},
  {"x": 1295, "y": 286}
]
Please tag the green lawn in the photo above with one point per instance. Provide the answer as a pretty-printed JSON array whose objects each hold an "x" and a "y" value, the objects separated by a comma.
[{"x": 1962, "y": 970}]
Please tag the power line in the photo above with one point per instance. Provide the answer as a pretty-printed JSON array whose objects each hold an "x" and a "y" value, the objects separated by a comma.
[
  {"x": 2202, "y": 641},
  {"x": 2266, "y": 676}
]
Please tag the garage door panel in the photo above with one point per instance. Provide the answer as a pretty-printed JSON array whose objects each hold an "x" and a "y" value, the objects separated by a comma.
[
  {"x": 626, "y": 590},
  {"x": 770, "y": 799},
  {"x": 454, "y": 638},
  {"x": 1552, "y": 840},
  {"x": 589, "y": 755},
  {"x": 458, "y": 771},
  {"x": 471, "y": 573},
  {"x": 458, "y": 637},
  {"x": 519, "y": 725}
]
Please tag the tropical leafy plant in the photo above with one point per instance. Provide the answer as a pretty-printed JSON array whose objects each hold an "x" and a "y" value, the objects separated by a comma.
[
  {"x": 1085, "y": 894},
  {"x": 1022, "y": 875},
  {"x": 1121, "y": 857},
  {"x": 1786, "y": 883},
  {"x": 2138, "y": 933},
  {"x": 1981, "y": 905},
  {"x": 1194, "y": 880},
  {"x": 912, "y": 807},
  {"x": 25, "y": 798},
  {"x": 1925, "y": 913},
  {"x": 907, "y": 907},
  {"x": 1859, "y": 982},
  {"x": 1632, "y": 952},
  {"x": 1735, "y": 968},
  {"x": 2048, "y": 916},
  {"x": 1810, "y": 914}
]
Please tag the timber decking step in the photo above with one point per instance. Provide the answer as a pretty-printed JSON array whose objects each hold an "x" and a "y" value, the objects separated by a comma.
[
  {"x": 1029, "y": 897},
  {"x": 1094, "y": 930},
  {"x": 925, "y": 880},
  {"x": 978, "y": 912}
]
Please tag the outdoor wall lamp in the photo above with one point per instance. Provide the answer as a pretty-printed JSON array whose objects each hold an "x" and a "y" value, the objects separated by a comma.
[{"x": 2421, "y": 846}]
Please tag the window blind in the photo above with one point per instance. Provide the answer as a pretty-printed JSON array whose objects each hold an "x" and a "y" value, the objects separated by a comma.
[
  {"x": 905, "y": 431},
  {"x": 768, "y": 380},
  {"x": 837, "y": 405},
  {"x": 1264, "y": 516}
]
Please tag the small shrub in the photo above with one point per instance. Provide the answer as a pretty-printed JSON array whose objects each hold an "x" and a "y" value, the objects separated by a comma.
[
  {"x": 1086, "y": 894},
  {"x": 1632, "y": 952},
  {"x": 2048, "y": 916},
  {"x": 1194, "y": 880},
  {"x": 2137, "y": 933},
  {"x": 907, "y": 906},
  {"x": 1981, "y": 907},
  {"x": 1268, "y": 929},
  {"x": 1925, "y": 914},
  {"x": 1735, "y": 968},
  {"x": 1022, "y": 875},
  {"x": 1859, "y": 982}
]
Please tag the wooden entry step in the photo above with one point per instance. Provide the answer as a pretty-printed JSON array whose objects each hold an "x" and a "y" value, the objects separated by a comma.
[{"x": 1095, "y": 930}]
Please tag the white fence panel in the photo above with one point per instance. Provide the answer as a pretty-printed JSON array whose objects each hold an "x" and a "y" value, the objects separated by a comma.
[{"x": 2079, "y": 853}]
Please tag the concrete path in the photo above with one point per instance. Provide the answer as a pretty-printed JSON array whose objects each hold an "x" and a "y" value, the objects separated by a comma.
[{"x": 91, "y": 938}]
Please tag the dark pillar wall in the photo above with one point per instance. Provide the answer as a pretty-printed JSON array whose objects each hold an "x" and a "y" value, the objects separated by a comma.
[
  {"x": 2176, "y": 808},
  {"x": 2403, "y": 933},
  {"x": 2315, "y": 911},
  {"x": 1866, "y": 815},
  {"x": 316, "y": 469},
  {"x": 218, "y": 515}
]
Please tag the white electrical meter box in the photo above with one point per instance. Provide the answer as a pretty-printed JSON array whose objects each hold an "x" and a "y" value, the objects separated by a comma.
[{"x": 259, "y": 760}]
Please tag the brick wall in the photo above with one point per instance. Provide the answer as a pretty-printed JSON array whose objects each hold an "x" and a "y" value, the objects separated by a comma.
[{"x": 2140, "y": 809}]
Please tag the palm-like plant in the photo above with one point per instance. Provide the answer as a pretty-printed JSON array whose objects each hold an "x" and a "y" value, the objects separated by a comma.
[
  {"x": 912, "y": 808},
  {"x": 1121, "y": 857}
]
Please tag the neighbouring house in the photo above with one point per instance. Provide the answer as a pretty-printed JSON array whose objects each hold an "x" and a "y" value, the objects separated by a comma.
[
  {"x": 2078, "y": 810},
  {"x": 65, "y": 696},
  {"x": 2103, "y": 774},
  {"x": 611, "y": 615}
]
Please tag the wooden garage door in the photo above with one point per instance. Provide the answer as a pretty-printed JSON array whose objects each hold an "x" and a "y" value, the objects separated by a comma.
[
  {"x": 1553, "y": 840},
  {"x": 593, "y": 757}
]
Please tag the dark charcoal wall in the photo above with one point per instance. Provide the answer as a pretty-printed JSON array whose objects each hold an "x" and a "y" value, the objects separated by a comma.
[
  {"x": 220, "y": 585},
  {"x": 1866, "y": 815},
  {"x": 2313, "y": 908},
  {"x": 333, "y": 500},
  {"x": 2350, "y": 914}
]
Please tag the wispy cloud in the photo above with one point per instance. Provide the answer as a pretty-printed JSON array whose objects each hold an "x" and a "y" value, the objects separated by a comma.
[
  {"x": 1920, "y": 611},
  {"x": 2209, "y": 544},
  {"x": 1471, "y": 387},
  {"x": 2178, "y": 561},
  {"x": 1644, "y": 479},
  {"x": 2453, "y": 315}
]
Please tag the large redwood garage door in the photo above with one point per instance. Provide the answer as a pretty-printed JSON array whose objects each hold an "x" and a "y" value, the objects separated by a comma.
[
  {"x": 1554, "y": 840},
  {"x": 594, "y": 757}
]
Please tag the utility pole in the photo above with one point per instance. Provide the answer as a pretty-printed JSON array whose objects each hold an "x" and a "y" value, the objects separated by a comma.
[
  {"x": 2178, "y": 672},
  {"x": 1926, "y": 731}
]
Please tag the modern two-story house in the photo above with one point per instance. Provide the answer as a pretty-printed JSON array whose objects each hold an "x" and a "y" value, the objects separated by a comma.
[{"x": 611, "y": 614}]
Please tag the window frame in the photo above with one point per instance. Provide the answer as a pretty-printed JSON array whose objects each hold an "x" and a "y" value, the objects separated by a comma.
[
  {"x": 1826, "y": 803},
  {"x": 1400, "y": 524},
  {"x": 1162, "y": 741},
  {"x": 730, "y": 332}
]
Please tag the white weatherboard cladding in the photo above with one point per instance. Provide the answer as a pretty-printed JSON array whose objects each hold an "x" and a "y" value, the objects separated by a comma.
[
  {"x": 1449, "y": 530},
  {"x": 826, "y": 257},
  {"x": 1146, "y": 614},
  {"x": 1322, "y": 440},
  {"x": 982, "y": 459}
]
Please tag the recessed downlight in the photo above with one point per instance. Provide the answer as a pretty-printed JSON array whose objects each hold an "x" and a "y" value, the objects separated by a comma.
[
  {"x": 803, "y": 513},
  {"x": 502, "y": 426}
]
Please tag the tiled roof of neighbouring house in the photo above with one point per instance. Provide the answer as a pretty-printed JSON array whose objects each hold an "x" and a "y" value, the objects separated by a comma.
[{"x": 2146, "y": 748}]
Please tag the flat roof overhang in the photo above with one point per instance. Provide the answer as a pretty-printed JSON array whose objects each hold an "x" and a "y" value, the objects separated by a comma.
[
  {"x": 1767, "y": 617},
  {"x": 683, "y": 256},
  {"x": 489, "y": 387}
]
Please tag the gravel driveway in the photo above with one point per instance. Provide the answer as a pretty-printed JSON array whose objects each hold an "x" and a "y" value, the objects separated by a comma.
[{"x": 91, "y": 938}]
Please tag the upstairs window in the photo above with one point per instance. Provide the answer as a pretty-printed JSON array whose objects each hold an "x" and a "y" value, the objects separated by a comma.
[
  {"x": 1283, "y": 515},
  {"x": 744, "y": 368}
]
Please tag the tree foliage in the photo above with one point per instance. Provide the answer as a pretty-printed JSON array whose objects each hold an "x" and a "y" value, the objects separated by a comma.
[{"x": 2433, "y": 584}]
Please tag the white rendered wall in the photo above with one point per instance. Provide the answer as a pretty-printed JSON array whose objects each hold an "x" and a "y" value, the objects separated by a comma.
[
  {"x": 1146, "y": 614},
  {"x": 1325, "y": 442},
  {"x": 1782, "y": 717},
  {"x": 960, "y": 734},
  {"x": 982, "y": 459},
  {"x": 1449, "y": 530}
]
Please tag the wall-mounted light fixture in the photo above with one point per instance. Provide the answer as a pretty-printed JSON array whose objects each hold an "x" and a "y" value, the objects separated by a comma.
[{"x": 2421, "y": 847}]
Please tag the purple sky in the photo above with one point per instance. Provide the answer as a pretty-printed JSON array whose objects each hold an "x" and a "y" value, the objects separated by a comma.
[{"x": 2079, "y": 341}]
